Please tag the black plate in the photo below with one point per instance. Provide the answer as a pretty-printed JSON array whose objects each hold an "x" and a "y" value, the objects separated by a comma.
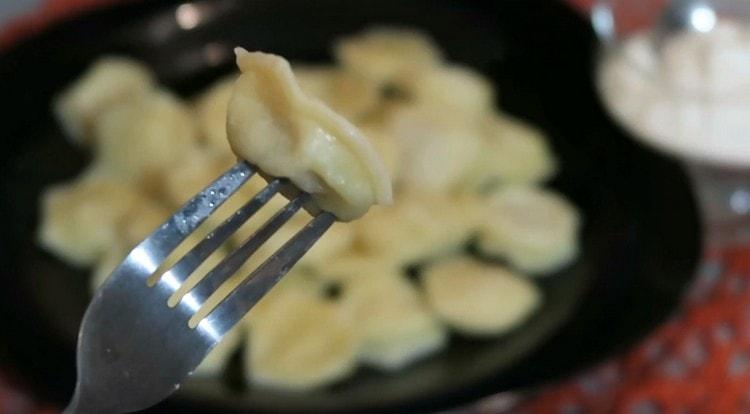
[{"x": 640, "y": 241}]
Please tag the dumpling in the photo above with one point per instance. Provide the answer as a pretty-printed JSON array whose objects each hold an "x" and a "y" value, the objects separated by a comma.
[
  {"x": 396, "y": 326},
  {"x": 438, "y": 148},
  {"x": 418, "y": 227},
  {"x": 452, "y": 86},
  {"x": 274, "y": 125},
  {"x": 479, "y": 299},
  {"x": 345, "y": 92},
  {"x": 79, "y": 220},
  {"x": 512, "y": 152},
  {"x": 536, "y": 230},
  {"x": 381, "y": 54},
  {"x": 143, "y": 137},
  {"x": 109, "y": 81},
  {"x": 301, "y": 342}
]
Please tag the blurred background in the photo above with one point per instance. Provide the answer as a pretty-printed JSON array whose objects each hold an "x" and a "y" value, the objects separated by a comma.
[{"x": 634, "y": 112}]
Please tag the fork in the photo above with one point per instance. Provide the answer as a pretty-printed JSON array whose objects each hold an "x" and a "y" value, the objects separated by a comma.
[{"x": 134, "y": 350}]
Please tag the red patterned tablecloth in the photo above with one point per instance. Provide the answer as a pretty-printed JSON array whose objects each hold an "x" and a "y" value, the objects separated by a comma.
[{"x": 698, "y": 362}]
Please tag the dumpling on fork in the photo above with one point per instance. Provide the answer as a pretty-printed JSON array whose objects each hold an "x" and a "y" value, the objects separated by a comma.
[{"x": 273, "y": 124}]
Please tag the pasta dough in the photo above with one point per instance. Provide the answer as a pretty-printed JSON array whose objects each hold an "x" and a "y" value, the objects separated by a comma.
[{"x": 274, "y": 125}]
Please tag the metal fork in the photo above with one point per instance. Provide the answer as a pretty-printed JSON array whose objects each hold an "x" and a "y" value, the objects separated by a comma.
[{"x": 133, "y": 350}]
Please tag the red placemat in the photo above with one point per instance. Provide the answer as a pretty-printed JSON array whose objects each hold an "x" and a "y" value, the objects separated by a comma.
[{"x": 698, "y": 362}]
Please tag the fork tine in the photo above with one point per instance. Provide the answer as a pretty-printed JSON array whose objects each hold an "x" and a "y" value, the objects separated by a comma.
[
  {"x": 198, "y": 295},
  {"x": 175, "y": 276},
  {"x": 149, "y": 254},
  {"x": 241, "y": 300}
]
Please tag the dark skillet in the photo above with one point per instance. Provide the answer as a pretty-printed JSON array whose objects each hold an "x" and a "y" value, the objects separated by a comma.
[{"x": 640, "y": 242}]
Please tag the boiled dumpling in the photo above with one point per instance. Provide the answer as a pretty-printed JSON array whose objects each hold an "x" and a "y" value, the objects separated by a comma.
[
  {"x": 396, "y": 326},
  {"x": 381, "y": 54},
  {"x": 418, "y": 227},
  {"x": 536, "y": 230},
  {"x": 346, "y": 92},
  {"x": 456, "y": 87},
  {"x": 109, "y": 81},
  {"x": 303, "y": 341},
  {"x": 79, "y": 220},
  {"x": 513, "y": 152},
  {"x": 479, "y": 299},
  {"x": 438, "y": 148},
  {"x": 274, "y": 125},
  {"x": 143, "y": 137}
]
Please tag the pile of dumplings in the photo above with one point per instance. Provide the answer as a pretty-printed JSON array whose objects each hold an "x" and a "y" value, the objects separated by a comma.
[{"x": 463, "y": 173}]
